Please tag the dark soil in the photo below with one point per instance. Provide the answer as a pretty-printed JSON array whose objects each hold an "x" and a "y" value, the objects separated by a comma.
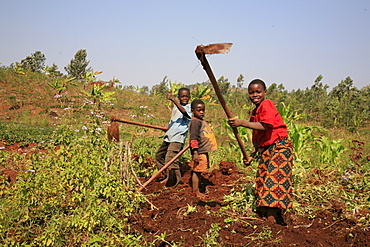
[{"x": 167, "y": 213}]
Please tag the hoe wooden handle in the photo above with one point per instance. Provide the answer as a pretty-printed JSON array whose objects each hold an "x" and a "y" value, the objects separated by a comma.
[
  {"x": 164, "y": 167},
  {"x": 115, "y": 119},
  {"x": 202, "y": 58}
]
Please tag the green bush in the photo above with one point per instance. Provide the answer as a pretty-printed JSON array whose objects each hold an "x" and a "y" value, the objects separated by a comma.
[{"x": 74, "y": 195}]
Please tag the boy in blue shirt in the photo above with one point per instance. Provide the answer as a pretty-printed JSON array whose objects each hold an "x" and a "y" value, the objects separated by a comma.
[{"x": 176, "y": 134}]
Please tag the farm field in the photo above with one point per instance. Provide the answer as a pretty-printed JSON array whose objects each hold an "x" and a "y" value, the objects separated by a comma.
[
  {"x": 64, "y": 184},
  {"x": 176, "y": 217}
]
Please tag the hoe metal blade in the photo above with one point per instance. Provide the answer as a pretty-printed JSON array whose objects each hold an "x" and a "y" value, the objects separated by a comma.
[{"x": 214, "y": 48}]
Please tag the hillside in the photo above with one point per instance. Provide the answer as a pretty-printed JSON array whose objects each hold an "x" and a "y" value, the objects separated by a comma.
[{"x": 64, "y": 184}]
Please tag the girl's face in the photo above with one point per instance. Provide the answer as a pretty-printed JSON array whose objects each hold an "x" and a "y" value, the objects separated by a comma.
[
  {"x": 256, "y": 93},
  {"x": 199, "y": 110}
]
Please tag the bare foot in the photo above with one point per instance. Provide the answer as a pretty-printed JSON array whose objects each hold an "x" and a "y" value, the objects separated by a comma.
[
  {"x": 164, "y": 181},
  {"x": 201, "y": 195},
  {"x": 178, "y": 183},
  {"x": 271, "y": 219}
]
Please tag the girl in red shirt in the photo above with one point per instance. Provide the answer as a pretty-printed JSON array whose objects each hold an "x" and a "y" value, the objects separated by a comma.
[{"x": 273, "y": 192}]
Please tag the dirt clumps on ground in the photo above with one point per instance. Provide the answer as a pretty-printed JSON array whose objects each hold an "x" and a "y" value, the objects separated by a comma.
[{"x": 183, "y": 219}]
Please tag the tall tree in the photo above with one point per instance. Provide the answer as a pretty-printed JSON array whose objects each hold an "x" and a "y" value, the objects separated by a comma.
[
  {"x": 78, "y": 65},
  {"x": 343, "y": 88},
  {"x": 34, "y": 63},
  {"x": 223, "y": 84},
  {"x": 239, "y": 81},
  {"x": 349, "y": 104},
  {"x": 161, "y": 88},
  {"x": 316, "y": 99},
  {"x": 277, "y": 93}
]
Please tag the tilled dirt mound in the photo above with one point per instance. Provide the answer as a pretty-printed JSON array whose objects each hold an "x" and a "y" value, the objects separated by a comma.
[{"x": 181, "y": 218}]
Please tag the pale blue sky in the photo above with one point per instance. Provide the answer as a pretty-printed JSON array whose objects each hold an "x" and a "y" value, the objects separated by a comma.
[{"x": 140, "y": 42}]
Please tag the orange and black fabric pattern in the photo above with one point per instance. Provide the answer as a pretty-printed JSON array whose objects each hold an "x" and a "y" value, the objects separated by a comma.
[{"x": 274, "y": 176}]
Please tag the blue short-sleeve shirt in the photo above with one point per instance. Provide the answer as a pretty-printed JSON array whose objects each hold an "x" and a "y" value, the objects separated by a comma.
[{"x": 178, "y": 125}]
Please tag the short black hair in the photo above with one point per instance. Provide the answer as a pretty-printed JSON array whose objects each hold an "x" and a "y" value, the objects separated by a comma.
[
  {"x": 183, "y": 89},
  {"x": 196, "y": 102},
  {"x": 258, "y": 81}
]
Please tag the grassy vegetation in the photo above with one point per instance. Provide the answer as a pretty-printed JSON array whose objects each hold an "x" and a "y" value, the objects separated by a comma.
[{"x": 81, "y": 190}]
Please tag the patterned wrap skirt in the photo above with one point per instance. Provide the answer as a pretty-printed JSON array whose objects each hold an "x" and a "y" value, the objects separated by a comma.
[{"x": 274, "y": 176}]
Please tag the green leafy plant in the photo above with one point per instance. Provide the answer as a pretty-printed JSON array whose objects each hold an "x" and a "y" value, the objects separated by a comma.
[
  {"x": 330, "y": 150},
  {"x": 98, "y": 95},
  {"x": 288, "y": 114},
  {"x": 89, "y": 76},
  {"x": 230, "y": 145},
  {"x": 185, "y": 211},
  {"x": 264, "y": 234},
  {"x": 303, "y": 140},
  {"x": 18, "y": 69},
  {"x": 203, "y": 92},
  {"x": 211, "y": 236},
  {"x": 59, "y": 85},
  {"x": 175, "y": 86},
  {"x": 240, "y": 198}
]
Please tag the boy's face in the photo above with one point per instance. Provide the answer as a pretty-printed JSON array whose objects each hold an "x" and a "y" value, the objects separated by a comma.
[
  {"x": 256, "y": 93},
  {"x": 198, "y": 111},
  {"x": 184, "y": 97}
]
